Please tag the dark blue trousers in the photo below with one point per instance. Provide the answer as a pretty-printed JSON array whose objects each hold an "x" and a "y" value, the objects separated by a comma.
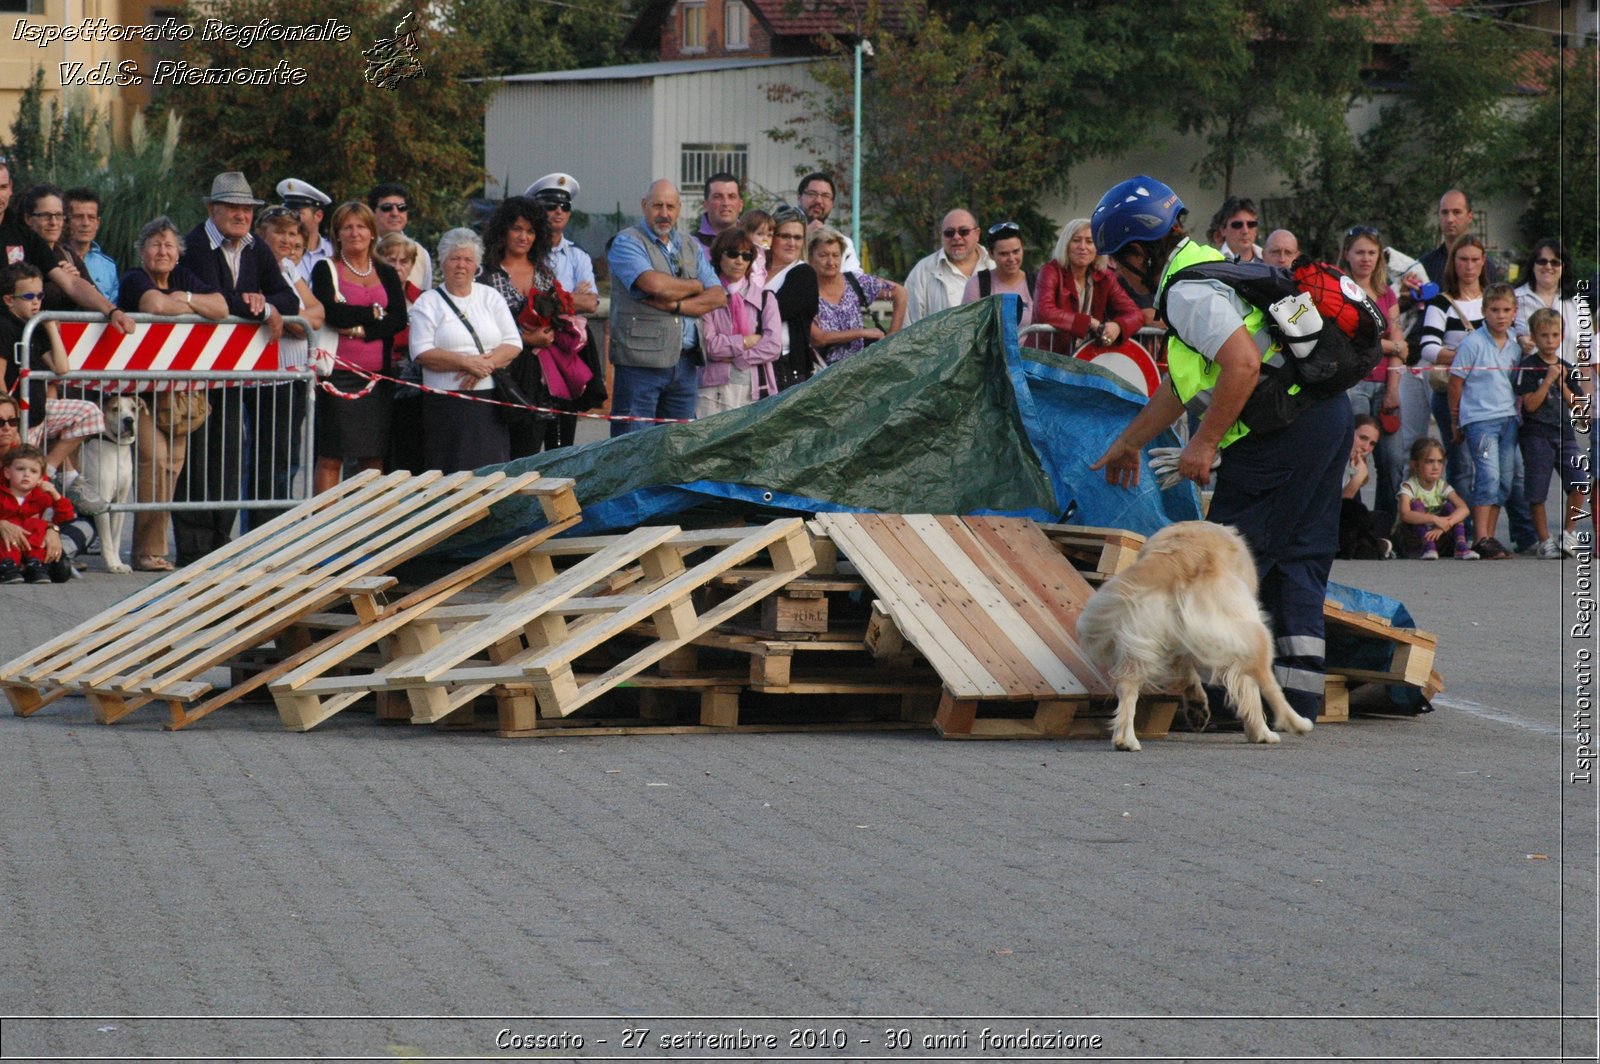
[{"x": 1281, "y": 491}]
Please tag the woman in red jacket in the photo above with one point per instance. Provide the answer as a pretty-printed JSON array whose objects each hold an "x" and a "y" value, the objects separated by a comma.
[{"x": 1079, "y": 295}]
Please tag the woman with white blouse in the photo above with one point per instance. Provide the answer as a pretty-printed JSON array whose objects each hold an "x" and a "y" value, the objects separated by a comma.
[{"x": 461, "y": 332}]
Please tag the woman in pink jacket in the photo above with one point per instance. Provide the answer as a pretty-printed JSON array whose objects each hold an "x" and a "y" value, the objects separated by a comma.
[
  {"x": 740, "y": 340},
  {"x": 1079, "y": 295}
]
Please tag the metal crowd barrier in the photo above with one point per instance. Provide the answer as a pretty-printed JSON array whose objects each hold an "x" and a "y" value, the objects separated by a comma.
[{"x": 253, "y": 450}]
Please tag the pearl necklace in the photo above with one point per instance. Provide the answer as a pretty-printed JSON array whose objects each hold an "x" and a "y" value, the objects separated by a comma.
[{"x": 359, "y": 273}]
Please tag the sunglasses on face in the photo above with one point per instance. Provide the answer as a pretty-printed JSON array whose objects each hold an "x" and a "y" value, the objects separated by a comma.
[
  {"x": 11, "y": 422},
  {"x": 1362, "y": 230},
  {"x": 1240, "y": 223},
  {"x": 1003, "y": 229},
  {"x": 556, "y": 205},
  {"x": 28, "y": 297},
  {"x": 965, "y": 230},
  {"x": 389, "y": 208},
  {"x": 1547, "y": 262},
  {"x": 748, "y": 256}
]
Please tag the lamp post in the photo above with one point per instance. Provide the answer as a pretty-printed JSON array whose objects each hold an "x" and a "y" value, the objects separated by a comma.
[{"x": 862, "y": 45}]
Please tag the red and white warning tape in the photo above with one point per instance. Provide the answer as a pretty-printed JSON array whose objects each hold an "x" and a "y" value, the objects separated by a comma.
[{"x": 372, "y": 380}]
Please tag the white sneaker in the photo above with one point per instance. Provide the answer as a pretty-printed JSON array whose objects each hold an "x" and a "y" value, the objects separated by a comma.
[
  {"x": 1548, "y": 549},
  {"x": 1571, "y": 540},
  {"x": 1431, "y": 554},
  {"x": 1468, "y": 555}
]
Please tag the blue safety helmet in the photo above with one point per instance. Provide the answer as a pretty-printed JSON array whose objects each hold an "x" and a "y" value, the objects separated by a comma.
[{"x": 1140, "y": 208}]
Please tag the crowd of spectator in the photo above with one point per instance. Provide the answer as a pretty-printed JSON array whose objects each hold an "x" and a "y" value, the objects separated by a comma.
[{"x": 720, "y": 313}]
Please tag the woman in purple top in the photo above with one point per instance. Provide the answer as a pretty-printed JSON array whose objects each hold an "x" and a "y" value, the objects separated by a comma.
[{"x": 841, "y": 328}]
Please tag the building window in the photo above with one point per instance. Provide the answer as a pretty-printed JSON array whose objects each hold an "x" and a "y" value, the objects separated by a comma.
[
  {"x": 700, "y": 161},
  {"x": 736, "y": 25},
  {"x": 693, "y": 38}
]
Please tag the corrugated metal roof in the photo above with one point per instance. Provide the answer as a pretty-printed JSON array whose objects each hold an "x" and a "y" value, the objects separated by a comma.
[
  {"x": 634, "y": 71},
  {"x": 787, "y": 18}
]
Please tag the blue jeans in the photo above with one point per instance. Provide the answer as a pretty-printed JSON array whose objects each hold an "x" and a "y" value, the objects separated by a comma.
[
  {"x": 1493, "y": 446},
  {"x": 1460, "y": 469},
  {"x": 639, "y": 391}
]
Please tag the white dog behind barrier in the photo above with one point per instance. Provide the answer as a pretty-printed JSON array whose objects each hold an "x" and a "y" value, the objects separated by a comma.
[
  {"x": 1186, "y": 610},
  {"x": 106, "y": 465}
]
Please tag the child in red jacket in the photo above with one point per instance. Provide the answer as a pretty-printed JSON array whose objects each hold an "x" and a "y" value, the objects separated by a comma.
[{"x": 29, "y": 501}]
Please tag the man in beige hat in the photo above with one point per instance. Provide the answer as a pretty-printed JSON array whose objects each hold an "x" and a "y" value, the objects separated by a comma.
[{"x": 223, "y": 252}]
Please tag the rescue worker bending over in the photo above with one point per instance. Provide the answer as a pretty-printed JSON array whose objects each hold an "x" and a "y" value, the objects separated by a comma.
[{"x": 1279, "y": 488}]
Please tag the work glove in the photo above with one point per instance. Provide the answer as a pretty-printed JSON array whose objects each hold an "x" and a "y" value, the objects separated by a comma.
[{"x": 1164, "y": 464}]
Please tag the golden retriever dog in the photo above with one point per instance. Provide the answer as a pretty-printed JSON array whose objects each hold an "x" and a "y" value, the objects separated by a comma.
[{"x": 1187, "y": 608}]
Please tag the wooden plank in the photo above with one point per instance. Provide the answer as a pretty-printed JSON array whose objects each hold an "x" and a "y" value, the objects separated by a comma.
[
  {"x": 942, "y": 593},
  {"x": 1368, "y": 624},
  {"x": 926, "y": 630},
  {"x": 444, "y": 509},
  {"x": 1039, "y": 588},
  {"x": 982, "y": 577},
  {"x": 1335, "y": 701}
]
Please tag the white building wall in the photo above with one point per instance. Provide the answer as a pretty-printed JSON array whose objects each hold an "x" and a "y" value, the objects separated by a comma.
[
  {"x": 599, "y": 132},
  {"x": 616, "y": 136}
]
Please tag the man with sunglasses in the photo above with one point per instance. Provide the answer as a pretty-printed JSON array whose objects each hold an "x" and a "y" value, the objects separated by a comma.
[
  {"x": 1239, "y": 228},
  {"x": 572, "y": 265},
  {"x": 937, "y": 281},
  {"x": 391, "y": 203},
  {"x": 306, "y": 201}
]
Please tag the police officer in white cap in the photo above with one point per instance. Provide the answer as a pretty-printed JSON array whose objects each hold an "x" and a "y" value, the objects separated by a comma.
[
  {"x": 575, "y": 270},
  {"x": 307, "y": 200},
  {"x": 572, "y": 265}
]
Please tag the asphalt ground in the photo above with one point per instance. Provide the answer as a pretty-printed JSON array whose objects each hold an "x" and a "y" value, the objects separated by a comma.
[{"x": 1390, "y": 888}]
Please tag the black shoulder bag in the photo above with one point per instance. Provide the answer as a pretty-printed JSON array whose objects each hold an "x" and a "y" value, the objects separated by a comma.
[{"x": 508, "y": 388}]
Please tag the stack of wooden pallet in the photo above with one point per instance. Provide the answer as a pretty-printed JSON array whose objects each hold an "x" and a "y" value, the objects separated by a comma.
[
  {"x": 256, "y": 603},
  {"x": 857, "y": 622}
]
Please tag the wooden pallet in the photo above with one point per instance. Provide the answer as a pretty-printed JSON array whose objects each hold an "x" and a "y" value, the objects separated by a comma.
[
  {"x": 253, "y": 593},
  {"x": 1413, "y": 655},
  {"x": 1097, "y": 553},
  {"x": 1073, "y": 718},
  {"x": 525, "y": 648},
  {"x": 991, "y": 604}
]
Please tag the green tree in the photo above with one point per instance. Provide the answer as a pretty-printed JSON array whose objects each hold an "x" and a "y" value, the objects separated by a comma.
[
  {"x": 944, "y": 123},
  {"x": 529, "y": 36},
  {"x": 63, "y": 134},
  {"x": 1557, "y": 160},
  {"x": 1278, "y": 74},
  {"x": 1448, "y": 127},
  {"x": 336, "y": 130}
]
